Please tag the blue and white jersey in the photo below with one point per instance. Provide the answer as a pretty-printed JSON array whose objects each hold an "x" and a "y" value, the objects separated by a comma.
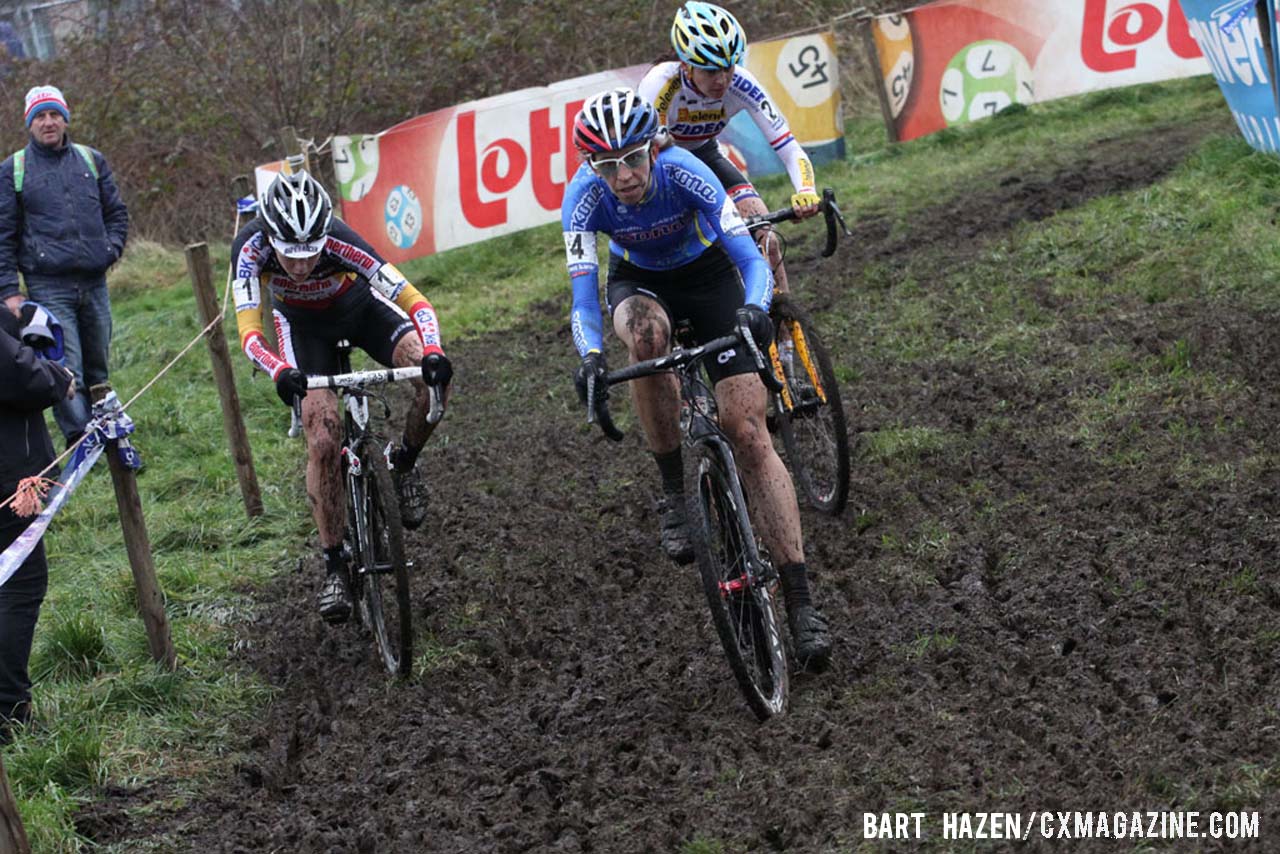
[{"x": 685, "y": 210}]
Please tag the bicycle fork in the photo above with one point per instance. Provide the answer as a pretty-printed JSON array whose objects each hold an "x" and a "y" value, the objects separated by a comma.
[
  {"x": 805, "y": 358},
  {"x": 756, "y": 570}
]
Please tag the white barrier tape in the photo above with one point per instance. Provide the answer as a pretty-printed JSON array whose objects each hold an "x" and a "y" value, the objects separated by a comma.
[
  {"x": 19, "y": 550},
  {"x": 109, "y": 422}
]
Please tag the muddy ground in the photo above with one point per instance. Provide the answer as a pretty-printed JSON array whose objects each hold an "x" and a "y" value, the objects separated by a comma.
[{"x": 1115, "y": 637}]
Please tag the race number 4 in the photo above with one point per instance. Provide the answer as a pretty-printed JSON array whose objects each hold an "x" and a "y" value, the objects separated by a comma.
[{"x": 580, "y": 247}]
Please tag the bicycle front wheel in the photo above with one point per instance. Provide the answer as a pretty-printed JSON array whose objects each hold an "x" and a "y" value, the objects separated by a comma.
[
  {"x": 810, "y": 414},
  {"x": 741, "y": 597},
  {"x": 384, "y": 581}
]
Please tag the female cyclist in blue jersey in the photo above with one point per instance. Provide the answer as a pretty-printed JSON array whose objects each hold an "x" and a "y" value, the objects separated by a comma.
[
  {"x": 680, "y": 251},
  {"x": 697, "y": 96}
]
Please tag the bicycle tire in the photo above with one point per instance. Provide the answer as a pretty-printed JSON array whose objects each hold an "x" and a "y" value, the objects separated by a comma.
[
  {"x": 811, "y": 419},
  {"x": 745, "y": 617},
  {"x": 382, "y": 568}
]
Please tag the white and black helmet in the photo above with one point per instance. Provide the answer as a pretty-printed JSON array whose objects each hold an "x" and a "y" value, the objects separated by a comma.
[{"x": 297, "y": 212}]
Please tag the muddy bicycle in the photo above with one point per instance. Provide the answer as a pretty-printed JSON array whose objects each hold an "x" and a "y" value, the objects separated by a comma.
[
  {"x": 374, "y": 541},
  {"x": 737, "y": 578},
  {"x": 808, "y": 412}
]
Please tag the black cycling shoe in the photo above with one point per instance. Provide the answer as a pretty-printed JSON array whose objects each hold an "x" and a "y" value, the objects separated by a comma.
[
  {"x": 674, "y": 531},
  {"x": 335, "y": 598},
  {"x": 811, "y": 636},
  {"x": 413, "y": 497}
]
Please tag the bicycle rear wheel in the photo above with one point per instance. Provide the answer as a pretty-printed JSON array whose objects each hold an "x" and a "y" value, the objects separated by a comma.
[
  {"x": 383, "y": 582},
  {"x": 811, "y": 416},
  {"x": 741, "y": 597}
]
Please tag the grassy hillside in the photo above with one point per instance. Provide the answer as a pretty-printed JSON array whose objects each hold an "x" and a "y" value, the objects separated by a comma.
[{"x": 1046, "y": 302}]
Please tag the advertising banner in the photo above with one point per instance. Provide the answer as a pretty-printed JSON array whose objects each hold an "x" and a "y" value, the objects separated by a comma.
[
  {"x": 491, "y": 167},
  {"x": 956, "y": 61},
  {"x": 802, "y": 77},
  {"x": 1234, "y": 41}
]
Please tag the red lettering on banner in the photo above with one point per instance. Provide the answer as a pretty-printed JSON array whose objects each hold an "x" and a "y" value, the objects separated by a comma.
[
  {"x": 543, "y": 141},
  {"x": 485, "y": 169},
  {"x": 495, "y": 181},
  {"x": 478, "y": 212},
  {"x": 1181, "y": 42},
  {"x": 1129, "y": 26}
]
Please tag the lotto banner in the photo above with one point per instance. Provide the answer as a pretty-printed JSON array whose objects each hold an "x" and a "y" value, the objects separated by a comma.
[
  {"x": 955, "y": 61},
  {"x": 491, "y": 167},
  {"x": 1235, "y": 43}
]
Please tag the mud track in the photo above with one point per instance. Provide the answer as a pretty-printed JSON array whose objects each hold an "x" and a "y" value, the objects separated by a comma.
[{"x": 577, "y": 700}]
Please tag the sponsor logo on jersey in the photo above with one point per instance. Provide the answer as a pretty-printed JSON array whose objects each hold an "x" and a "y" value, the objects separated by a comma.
[
  {"x": 696, "y": 131},
  {"x": 353, "y": 255},
  {"x": 425, "y": 319},
  {"x": 656, "y": 231},
  {"x": 694, "y": 184},
  {"x": 586, "y": 206},
  {"x": 666, "y": 95},
  {"x": 685, "y": 116},
  {"x": 249, "y": 260},
  {"x": 312, "y": 290}
]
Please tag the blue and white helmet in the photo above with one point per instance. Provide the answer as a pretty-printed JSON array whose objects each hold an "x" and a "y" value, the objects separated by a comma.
[
  {"x": 706, "y": 36},
  {"x": 614, "y": 120}
]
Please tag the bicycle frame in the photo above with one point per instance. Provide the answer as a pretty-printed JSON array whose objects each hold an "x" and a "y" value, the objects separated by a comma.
[
  {"x": 703, "y": 426},
  {"x": 374, "y": 536}
]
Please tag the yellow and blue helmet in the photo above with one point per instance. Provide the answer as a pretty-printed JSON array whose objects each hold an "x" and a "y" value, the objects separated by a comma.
[{"x": 706, "y": 36}]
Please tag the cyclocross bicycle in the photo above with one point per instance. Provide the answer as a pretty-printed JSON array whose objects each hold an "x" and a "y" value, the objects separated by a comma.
[
  {"x": 739, "y": 582},
  {"x": 374, "y": 540},
  {"x": 808, "y": 410}
]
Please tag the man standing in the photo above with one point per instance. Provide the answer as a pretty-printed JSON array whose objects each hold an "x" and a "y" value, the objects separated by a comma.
[
  {"x": 28, "y": 384},
  {"x": 62, "y": 224}
]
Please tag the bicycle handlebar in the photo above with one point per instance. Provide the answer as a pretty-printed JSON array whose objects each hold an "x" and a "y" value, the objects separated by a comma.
[
  {"x": 598, "y": 399},
  {"x": 358, "y": 381},
  {"x": 830, "y": 211}
]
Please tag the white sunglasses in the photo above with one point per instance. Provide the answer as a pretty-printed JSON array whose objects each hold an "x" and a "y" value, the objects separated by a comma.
[{"x": 633, "y": 159}]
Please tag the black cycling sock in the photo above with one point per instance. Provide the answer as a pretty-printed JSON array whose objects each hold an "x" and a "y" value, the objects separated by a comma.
[
  {"x": 671, "y": 466},
  {"x": 334, "y": 560},
  {"x": 403, "y": 457},
  {"x": 795, "y": 585}
]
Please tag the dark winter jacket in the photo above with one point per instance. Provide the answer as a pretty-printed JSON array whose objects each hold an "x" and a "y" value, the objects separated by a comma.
[
  {"x": 65, "y": 223},
  {"x": 28, "y": 385}
]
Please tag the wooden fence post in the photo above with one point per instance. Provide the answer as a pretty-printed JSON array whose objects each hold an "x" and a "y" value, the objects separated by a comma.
[
  {"x": 136, "y": 542},
  {"x": 13, "y": 839},
  {"x": 201, "y": 273}
]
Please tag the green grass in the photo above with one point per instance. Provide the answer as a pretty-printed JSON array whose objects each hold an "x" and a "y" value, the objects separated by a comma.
[{"x": 105, "y": 712}]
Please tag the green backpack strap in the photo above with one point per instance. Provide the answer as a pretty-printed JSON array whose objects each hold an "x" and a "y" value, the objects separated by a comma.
[
  {"x": 20, "y": 164},
  {"x": 87, "y": 153}
]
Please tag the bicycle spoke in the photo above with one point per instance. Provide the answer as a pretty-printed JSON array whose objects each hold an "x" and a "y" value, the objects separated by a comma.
[
  {"x": 812, "y": 424},
  {"x": 741, "y": 605}
]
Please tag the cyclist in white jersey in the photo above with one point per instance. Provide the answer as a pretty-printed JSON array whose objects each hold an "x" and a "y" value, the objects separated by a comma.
[{"x": 698, "y": 95}]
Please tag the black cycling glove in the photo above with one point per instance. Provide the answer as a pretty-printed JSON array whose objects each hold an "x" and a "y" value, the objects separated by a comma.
[
  {"x": 290, "y": 384},
  {"x": 437, "y": 370},
  {"x": 758, "y": 321},
  {"x": 593, "y": 365}
]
